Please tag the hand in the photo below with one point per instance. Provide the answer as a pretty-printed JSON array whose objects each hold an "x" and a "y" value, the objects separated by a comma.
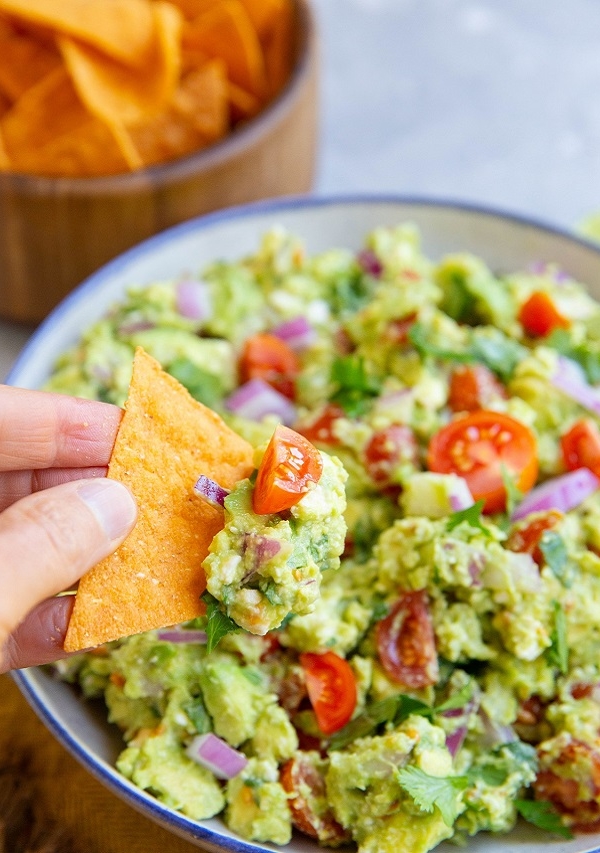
[{"x": 59, "y": 515}]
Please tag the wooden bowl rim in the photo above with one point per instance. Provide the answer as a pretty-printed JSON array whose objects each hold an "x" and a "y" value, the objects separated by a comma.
[{"x": 190, "y": 165}]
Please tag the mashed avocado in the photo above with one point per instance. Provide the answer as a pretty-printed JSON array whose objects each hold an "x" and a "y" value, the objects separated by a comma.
[{"x": 411, "y": 652}]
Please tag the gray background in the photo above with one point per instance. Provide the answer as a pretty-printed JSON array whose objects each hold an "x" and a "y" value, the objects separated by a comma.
[{"x": 494, "y": 102}]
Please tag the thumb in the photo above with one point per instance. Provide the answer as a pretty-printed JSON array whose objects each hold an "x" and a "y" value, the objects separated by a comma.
[{"x": 49, "y": 539}]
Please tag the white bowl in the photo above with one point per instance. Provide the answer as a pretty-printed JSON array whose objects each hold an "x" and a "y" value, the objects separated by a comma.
[{"x": 505, "y": 241}]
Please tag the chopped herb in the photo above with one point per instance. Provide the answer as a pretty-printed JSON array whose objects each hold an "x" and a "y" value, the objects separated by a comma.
[
  {"x": 522, "y": 752},
  {"x": 428, "y": 791},
  {"x": 471, "y": 515},
  {"x": 558, "y": 653},
  {"x": 497, "y": 351},
  {"x": 556, "y": 555},
  {"x": 457, "y": 700},
  {"x": 195, "y": 709},
  {"x": 513, "y": 494},
  {"x": 354, "y": 388},
  {"x": 490, "y": 774},
  {"x": 218, "y": 624},
  {"x": 587, "y": 358},
  {"x": 271, "y": 594},
  {"x": 542, "y": 814}
]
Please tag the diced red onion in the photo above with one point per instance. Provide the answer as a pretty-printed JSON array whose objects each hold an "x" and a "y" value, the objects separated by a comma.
[
  {"x": 211, "y": 492},
  {"x": 495, "y": 734},
  {"x": 369, "y": 262},
  {"x": 562, "y": 493},
  {"x": 258, "y": 550},
  {"x": 460, "y": 495},
  {"x": 455, "y": 740},
  {"x": 182, "y": 635},
  {"x": 256, "y": 399},
  {"x": 131, "y": 326},
  {"x": 570, "y": 379},
  {"x": 193, "y": 299},
  {"x": 216, "y": 755},
  {"x": 297, "y": 333}
]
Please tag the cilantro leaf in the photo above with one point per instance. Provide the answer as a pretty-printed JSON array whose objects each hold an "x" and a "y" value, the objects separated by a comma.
[
  {"x": 218, "y": 624},
  {"x": 472, "y": 516},
  {"x": 498, "y": 352},
  {"x": 522, "y": 752},
  {"x": 558, "y": 653},
  {"x": 354, "y": 387},
  {"x": 420, "y": 338},
  {"x": 555, "y": 553},
  {"x": 442, "y": 792},
  {"x": 457, "y": 700},
  {"x": 541, "y": 814},
  {"x": 583, "y": 354},
  {"x": 489, "y": 773},
  {"x": 513, "y": 494}
]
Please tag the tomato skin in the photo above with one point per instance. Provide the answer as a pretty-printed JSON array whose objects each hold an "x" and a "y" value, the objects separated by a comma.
[
  {"x": 525, "y": 538},
  {"x": 580, "y": 446},
  {"x": 473, "y": 387},
  {"x": 386, "y": 449},
  {"x": 478, "y": 446},
  {"x": 406, "y": 641},
  {"x": 267, "y": 357},
  {"x": 571, "y": 782},
  {"x": 398, "y": 330},
  {"x": 304, "y": 782},
  {"x": 290, "y": 466},
  {"x": 331, "y": 689},
  {"x": 539, "y": 315},
  {"x": 320, "y": 431}
]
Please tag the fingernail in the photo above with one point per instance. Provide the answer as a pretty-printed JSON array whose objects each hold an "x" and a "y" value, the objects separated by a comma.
[{"x": 112, "y": 504}]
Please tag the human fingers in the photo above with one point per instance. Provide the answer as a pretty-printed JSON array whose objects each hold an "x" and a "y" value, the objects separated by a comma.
[
  {"x": 39, "y": 638},
  {"x": 15, "y": 485},
  {"x": 51, "y": 538},
  {"x": 39, "y": 429}
]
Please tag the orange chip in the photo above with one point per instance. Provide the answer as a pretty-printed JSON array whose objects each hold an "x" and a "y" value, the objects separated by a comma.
[
  {"x": 192, "y": 8},
  {"x": 123, "y": 29},
  {"x": 119, "y": 94},
  {"x": 197, "y": 116},
  {"x": 262, "y": 13},
  {"x": 23, "y": 62},
  {"x": 243, "y": 105},
  {"x": 155, "y": 578},
  {"x": 226, "y": 31}
]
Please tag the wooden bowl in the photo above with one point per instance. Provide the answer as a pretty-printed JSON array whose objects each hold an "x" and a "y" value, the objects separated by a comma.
[{"x": 54, "y": 232}]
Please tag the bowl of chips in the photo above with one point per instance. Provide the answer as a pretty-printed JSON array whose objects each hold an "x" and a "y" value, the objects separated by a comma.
[
  {"x": 505, "y": 242},
  {"x": 121, "y": 119}
]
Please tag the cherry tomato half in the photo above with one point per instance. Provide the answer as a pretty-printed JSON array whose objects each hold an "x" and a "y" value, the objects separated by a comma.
[
  {"x": 580, "y": 446},
  {"x": 320, "y": 431},
  {"x": 479, "y": 447},
  {"x": 406, "y": 641},
  {"x": 387, "y": 449},
  {"x": 539, "y": 315},
  {"x": 473, "y": 387},
  {"x": 269, "y": 358},
  {"x": 305, "y": 783},
  {"x": 288, "y": 468},
  {"x": 331, "y": 689},
  {"x": 526, "y": 536}
]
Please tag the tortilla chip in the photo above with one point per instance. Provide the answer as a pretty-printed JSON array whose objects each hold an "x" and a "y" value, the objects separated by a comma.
[
  {"x": 123, "y": 29},
  {"x": 155, "y": 578},
  {"x": 23, "y": 62},
  {"x": 226, "y": 31},
  {"x": 196, "y": 117},
  {"x": 119, "y": 94}
]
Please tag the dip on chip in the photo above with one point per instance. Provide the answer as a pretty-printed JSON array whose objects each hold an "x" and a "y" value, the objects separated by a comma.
[{"x": 155, "y": 578}]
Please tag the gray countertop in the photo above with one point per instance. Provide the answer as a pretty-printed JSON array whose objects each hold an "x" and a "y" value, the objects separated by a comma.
[{"x": 493, "y": 102}]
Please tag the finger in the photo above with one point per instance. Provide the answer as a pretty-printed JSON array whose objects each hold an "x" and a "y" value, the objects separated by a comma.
[
  {"x": 50, "y": 539},
  {"x": 39, "y": 429},
  {"x": 40, "y": 636},
  {"x": 15, "y": 485}
]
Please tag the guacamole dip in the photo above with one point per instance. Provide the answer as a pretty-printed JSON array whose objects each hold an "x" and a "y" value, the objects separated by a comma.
[{"x": 443, "y": 679}]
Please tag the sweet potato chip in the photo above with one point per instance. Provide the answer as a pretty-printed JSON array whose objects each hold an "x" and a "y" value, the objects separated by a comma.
[
  {"x": 123, "y": 29},
  {"x": 226, "y": 31},
  {"x": 165, "y": 441},
  {"x": 119, "y": 94}
]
